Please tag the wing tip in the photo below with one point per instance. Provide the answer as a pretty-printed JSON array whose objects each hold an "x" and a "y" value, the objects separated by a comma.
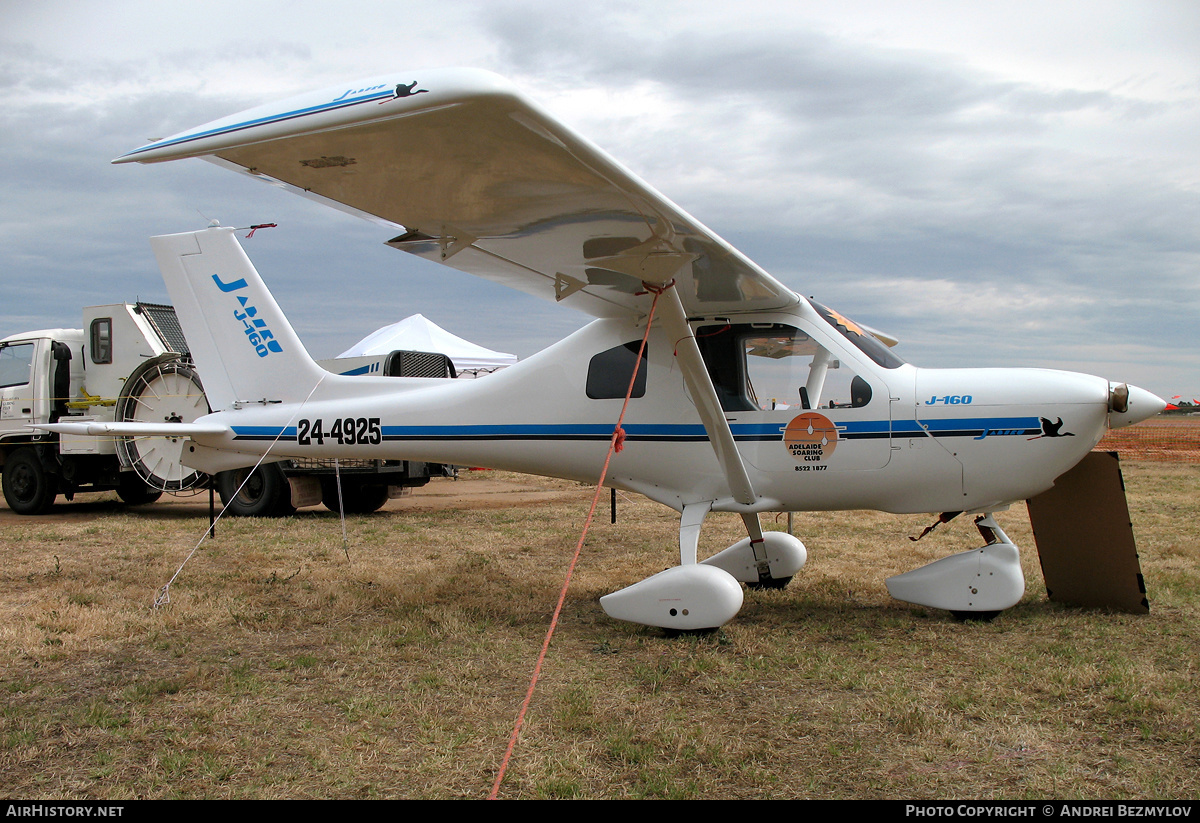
[{"x": 323, "y": 108}]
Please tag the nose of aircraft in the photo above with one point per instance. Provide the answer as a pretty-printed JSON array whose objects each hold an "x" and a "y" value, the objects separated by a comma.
[{"x": 1128, "y": 405}]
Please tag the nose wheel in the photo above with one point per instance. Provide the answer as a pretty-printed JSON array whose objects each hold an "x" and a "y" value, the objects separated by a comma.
[{"x": 972, "y": 585}]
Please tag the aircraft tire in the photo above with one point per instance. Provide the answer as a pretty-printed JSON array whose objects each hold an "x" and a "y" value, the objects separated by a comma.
[
  {"x": 769, "y": 583},
  {"x": 266, "y": 494},
  {"x": 975, "y": 617},
  {"x": 28, "y": 487}
]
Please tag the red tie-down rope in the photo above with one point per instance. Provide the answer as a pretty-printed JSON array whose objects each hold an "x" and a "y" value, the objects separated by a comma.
[{"x": 616, "y": 444}]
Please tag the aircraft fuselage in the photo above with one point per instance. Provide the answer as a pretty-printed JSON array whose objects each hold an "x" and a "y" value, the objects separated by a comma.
[{"x": 920, "y": 439}]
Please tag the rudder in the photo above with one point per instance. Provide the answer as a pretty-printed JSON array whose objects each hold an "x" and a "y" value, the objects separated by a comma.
[{"x": 243, "y": 345}]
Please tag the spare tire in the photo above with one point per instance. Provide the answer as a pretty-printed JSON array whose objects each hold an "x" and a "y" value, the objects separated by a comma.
[
  {"x": 357, "y": 497},
  {"x": 263, "y": 492},
  {"x": 134, "y": 492}
]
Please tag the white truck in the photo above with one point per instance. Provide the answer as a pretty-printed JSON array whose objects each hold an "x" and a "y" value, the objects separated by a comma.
[{"x": 130, "y": 362}]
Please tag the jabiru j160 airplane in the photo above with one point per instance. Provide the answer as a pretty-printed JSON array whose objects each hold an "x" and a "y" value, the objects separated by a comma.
[{"x": 748, "y": 397}]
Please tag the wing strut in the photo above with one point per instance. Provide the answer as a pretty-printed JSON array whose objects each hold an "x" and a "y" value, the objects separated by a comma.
[{"x": 695, "y": 375}]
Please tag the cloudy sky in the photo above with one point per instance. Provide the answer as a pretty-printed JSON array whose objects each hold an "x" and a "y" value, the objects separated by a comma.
[{"x": 1010, "y": 183}]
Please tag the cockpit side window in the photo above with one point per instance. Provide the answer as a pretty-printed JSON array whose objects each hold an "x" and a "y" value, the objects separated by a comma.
[
  {"x": 720, "y": 347},
  {"x": 764, "y": 367}
]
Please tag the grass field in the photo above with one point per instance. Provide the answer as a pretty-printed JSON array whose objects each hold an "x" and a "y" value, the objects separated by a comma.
[{"x": 286, "y": 667}]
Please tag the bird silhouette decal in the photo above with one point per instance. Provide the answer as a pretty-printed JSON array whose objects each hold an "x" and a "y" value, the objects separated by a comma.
[
  {"x": 407, "y": 91},
  {"x": 1052, "y": 429}
]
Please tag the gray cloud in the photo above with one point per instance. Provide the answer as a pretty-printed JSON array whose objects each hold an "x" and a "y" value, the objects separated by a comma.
[
  {"x": 982, "y": 217},
  {"x": 978, "y": 224}
]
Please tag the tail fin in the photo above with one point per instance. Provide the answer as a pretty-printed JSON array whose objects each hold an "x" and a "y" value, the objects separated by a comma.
[{"x": 244, "y": 347}]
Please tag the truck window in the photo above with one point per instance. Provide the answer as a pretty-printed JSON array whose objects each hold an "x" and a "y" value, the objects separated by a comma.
[
  {"x": 16, "y": 364},
  {"x": 102, "y": 340}
]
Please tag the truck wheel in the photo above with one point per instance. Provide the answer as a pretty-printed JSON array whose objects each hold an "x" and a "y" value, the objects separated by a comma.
[
  {"x": 266, "y": 494},
  {"x": 134, "y": 492},
  {"x": 357, "y": 498},
  {"x": 28, "y": 487}
]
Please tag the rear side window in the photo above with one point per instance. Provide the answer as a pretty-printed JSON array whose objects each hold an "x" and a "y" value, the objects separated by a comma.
[
  {"x": 609, "y": 373},
  {"x": 102, "y": 340},
  {"x": 16, "y": 364}
]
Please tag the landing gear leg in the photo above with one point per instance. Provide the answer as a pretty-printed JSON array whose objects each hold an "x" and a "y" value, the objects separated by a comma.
[
  {"x": 761, "y": 563},
  {"x": 690, "y": 523}
]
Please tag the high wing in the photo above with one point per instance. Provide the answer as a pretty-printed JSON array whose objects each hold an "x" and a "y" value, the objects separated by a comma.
[{"x": 474, "y": 175}]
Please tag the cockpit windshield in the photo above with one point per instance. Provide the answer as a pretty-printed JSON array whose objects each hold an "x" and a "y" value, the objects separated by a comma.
[{"x": 862, "y": 339}]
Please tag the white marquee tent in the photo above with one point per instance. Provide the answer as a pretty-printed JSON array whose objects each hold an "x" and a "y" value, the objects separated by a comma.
[{"x": 417, "y": 333}]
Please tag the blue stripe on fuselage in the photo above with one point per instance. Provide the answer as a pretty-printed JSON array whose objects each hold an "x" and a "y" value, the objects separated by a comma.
[{"x": 976, "y": 427}]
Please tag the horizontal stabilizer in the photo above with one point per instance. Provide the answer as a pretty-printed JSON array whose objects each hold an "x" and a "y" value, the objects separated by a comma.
[{"x": 94, "y": 429}]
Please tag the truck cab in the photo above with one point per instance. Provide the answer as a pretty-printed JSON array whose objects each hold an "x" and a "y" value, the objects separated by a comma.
[
  {"x": 57, "y": 375},
  {"x": 36, "y": 377}
]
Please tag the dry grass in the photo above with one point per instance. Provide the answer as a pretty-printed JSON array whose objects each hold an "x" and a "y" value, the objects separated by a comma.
[
  {"x": 1174, "y": 437},
  {"x": 282, "y": 669}
]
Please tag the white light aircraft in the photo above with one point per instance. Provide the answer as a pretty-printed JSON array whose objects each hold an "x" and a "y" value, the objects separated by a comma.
[{"x": 749, "y": 398}]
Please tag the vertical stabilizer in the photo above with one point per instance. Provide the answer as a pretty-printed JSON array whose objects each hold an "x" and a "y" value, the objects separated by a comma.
[{"x": 243, "y": 345}]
